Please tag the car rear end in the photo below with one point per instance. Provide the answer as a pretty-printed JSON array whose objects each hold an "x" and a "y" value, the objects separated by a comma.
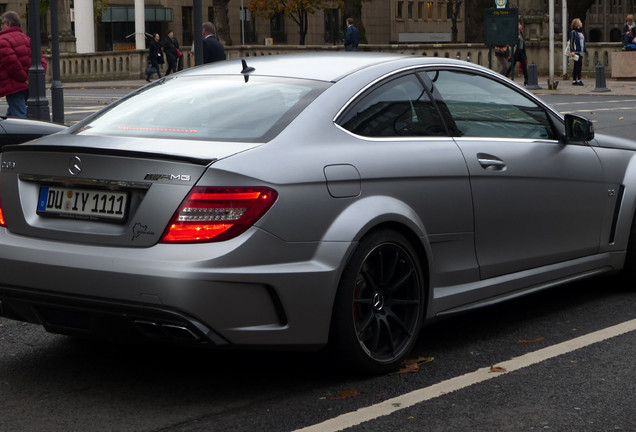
[{"x": 125, "y": 227}]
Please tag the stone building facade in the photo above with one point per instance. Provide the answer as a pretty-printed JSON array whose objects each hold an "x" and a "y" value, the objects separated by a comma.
[{"x": 385, "y": 22}]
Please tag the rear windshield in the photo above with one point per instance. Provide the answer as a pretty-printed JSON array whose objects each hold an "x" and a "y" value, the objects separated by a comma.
[{"x": 223, "y": 108}]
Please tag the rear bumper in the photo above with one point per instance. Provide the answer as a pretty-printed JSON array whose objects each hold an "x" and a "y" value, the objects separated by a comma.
[
  {"x": 101, "y": 318},
  {"x": 252, "y": 290}
]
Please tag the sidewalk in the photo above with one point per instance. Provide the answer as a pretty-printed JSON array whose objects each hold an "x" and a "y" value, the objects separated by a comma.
[
  {"x": 565, "y": 87},
  {"x": 615, "y": 87}
]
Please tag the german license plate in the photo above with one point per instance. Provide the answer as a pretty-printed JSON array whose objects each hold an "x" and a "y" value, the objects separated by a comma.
[{"x": 82, "y": 203}]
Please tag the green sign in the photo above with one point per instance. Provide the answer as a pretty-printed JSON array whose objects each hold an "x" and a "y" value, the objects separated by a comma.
[{"x": 501, "y": 26}]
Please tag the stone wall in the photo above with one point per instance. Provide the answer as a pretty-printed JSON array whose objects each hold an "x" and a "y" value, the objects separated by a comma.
[{"x": 130, "y": 65}]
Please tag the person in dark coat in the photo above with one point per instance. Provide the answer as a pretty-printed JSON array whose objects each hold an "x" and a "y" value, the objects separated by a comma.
[
  {"x": 629, "y": 31},
  {"x": 213, "y": 50},
  {"x": 170, "y": 47},
  {"x": 15, "y": 61},
  {"x": 155, "y": 56},
  {"x": 520, "y": 55},
  {"x": 352, "y": 36}
]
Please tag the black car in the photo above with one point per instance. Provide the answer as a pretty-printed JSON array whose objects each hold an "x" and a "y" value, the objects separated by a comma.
[{"x": 17, "y": 130}]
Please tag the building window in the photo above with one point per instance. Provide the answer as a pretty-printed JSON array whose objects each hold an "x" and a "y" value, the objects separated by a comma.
[
  {"x": 117, "y": 28},
  {"x": 187, "y": 25},
  {"x": 420, "y": 10},
  {"x": 410, "y": 10},
  {"x": 248, "y": 31},
  {"x": 277, "y": 28},
  {"x": 398, "y": 11},
  {"x": 429, "y": 10}
]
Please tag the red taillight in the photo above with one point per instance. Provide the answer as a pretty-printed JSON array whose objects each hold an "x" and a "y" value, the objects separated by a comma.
[
  {"x": 216, "y": 214},
  {"x": 2, "y": 223}
]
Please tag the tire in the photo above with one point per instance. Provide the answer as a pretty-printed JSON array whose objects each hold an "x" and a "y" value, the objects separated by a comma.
[
  {"x": 628, "y": 274},
  {"x": 379, "y": 305}
]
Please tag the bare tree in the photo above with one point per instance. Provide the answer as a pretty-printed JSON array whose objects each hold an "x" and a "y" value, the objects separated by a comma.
[
  {"x": 353, "y": 9},
  {"x": 221, "y": 21},
  {"x": 454, "y": 7}
]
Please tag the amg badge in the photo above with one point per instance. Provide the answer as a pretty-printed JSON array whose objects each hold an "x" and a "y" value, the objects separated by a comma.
[{"x": 178, "y": 177}]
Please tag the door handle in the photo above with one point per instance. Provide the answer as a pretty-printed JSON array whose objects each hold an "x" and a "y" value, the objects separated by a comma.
[{"x": 490, "y": 162}]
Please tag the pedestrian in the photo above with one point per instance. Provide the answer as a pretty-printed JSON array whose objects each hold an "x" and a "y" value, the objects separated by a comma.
[
  {"x": 520, "y": 54},
  {"x": 172, "y": 52},
  {"x": 155, "y": 57},
  {"x": 352, "y": 36},
  {"x": 15, "y": 61},
  {"x": 577, "y": 48},
  {"x": 629, "y": 31},
  {"x": 502, "y": 55},
  {"x": 213, "y": 50}
]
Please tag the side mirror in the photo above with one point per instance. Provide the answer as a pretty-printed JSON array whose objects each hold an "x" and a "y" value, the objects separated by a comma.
[{"x": 578, "y": 128}]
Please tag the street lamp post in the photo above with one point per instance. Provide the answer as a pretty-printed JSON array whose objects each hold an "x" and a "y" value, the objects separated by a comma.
[
  {"x": 37, "y": 104},
  {"x": 198, "y": 28},
  {"x": 57, "y": 92}
]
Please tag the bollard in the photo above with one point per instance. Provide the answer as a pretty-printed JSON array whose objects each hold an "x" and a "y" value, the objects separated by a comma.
[
  {"x": 533, "y": 81},
  {"x": 600, "y": 78}
]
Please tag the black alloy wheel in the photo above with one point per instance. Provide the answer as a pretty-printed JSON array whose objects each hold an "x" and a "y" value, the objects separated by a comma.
[{"x": 379, "y": 304}]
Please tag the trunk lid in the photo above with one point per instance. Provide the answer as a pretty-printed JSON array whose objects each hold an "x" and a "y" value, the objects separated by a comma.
[{"x": 90, "y": 190}]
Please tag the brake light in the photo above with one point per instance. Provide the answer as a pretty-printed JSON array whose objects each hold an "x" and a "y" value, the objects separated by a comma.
[
  {"x": 2, "y": 224},
  {"x": 217, "y": 214}
]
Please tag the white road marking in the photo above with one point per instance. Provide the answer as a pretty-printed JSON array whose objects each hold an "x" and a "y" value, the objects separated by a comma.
[
  {"x": 591, "y": 101},
  {"x": 454, "y": 384},
  {"x": 593, "y": 110}
]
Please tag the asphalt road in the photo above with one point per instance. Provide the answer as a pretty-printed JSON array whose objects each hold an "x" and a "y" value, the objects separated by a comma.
[{"x": 54, "y": 383}]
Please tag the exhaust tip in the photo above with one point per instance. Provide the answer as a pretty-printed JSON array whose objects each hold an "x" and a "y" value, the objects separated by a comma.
[{"x": 166, "y": 331}]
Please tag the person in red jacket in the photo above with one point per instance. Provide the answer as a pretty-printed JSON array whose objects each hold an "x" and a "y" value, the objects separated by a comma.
[{"x": 15, "y": 61}]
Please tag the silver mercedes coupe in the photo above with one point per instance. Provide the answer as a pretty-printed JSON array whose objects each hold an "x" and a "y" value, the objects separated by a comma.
[{"x": 305, "y": 201}]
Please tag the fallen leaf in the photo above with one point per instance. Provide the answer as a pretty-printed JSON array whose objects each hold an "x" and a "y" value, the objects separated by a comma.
[
  {"x": 529, "y": 341},
  {"x": 346, "y": 394},
  {"x": 409, "y": 368},
  {"x": 498, "y": 369},
  {"x": 413, "y": 365}
]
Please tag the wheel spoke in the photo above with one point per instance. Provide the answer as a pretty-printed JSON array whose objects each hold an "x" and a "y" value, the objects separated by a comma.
[
  {"x": 368, "y": 278},
  {"x": 400, "y": 282},
  {"x": 364, "y": 327},
  {"x": 376, "y": 335},
  {"x": 388, "y": 268},
  {"x": 400, "y": 322},
  {"x": 403, "y": 302},
  {"x": 389, "y": 336}
]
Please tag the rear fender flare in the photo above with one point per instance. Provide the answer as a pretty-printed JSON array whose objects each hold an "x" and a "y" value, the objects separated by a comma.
[
  {"x": 627, "y": 213},
  {"x": 366, "y": 214}
]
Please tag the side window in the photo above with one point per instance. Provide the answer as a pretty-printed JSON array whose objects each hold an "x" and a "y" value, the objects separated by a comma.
[
  {"x": 400, "y": 107},
  {"x": 483, "y": 107}
]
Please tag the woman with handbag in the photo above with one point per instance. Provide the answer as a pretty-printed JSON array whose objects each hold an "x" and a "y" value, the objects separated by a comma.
[
  {"x": 577, "y": 48},
  {"x": 155, "y": 57}
]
